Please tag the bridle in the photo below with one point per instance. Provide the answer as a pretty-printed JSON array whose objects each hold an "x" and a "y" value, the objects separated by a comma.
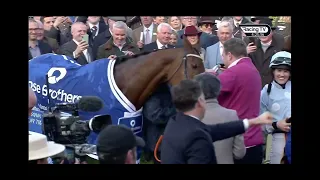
[{"x": 184, "y": 61}]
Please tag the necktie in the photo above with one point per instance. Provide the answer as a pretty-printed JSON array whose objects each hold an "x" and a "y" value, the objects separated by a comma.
[
  {"x": 163, "y": 47},
  {"x": 94, "y": 31},
  {"x": 147, "y": 39}
]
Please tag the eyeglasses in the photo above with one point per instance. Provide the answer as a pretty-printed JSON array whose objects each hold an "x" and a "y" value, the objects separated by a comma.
[
  {"x": 34, "y": 29},
  {"x": 282, "y": 60}
]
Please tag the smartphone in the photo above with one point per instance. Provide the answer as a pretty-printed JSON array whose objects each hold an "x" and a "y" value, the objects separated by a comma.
[
  {"x": 85, "y": 38},
  {"x": 288, "y": 120},
  {"x": 252, "y": 40},
  {"x": 221, "y": 65},
  {"x": 69, "y": 155}
]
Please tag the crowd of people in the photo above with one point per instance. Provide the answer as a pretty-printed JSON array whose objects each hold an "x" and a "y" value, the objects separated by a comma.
[{"x": 197, "y": 121}]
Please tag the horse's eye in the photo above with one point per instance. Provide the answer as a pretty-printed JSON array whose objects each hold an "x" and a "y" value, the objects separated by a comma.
[{"x": 194, "y": 66}]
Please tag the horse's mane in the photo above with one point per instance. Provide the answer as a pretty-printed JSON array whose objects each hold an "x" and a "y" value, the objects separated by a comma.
[{"x": 124, "y": 58}]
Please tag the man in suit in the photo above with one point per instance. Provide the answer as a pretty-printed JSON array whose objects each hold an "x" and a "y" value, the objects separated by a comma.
[
  {"x": 229, "y": 148},
  {"x": 77, "y": 48},
  {"x": 164, "y": 32},
  {"x": 148, "y": 31},
  {"x": 36, "y": 47},
  {"x": 47, "y": 22},
  {"x": 237, "y": 20},
  {"x": 95, "y": 28},
  {"x": 186, "y": 139},
  {"x": 206, "y": 39},
  {"x": 52, "y": 42},
  {"x": 61, "y": 30},
  {"x": 213, "y": 55}
]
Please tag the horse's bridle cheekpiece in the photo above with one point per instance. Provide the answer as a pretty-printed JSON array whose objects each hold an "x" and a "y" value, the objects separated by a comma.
[{"x": 184, "y": 60}]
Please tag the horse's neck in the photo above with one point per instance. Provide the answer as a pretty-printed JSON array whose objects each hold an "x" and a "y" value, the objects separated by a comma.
[{"x": 138, "y": 78}]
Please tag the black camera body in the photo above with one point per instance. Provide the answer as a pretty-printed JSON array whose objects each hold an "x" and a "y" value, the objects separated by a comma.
[
  {"x": 62, "y": 123},
  {"x": 60, "y": 128}
]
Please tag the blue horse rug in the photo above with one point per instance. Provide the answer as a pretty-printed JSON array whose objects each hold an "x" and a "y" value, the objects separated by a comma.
[{"x": 69, "y": 81}]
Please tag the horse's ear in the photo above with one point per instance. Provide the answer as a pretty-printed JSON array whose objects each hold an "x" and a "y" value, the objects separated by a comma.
[{"x": 187, "y": 45}]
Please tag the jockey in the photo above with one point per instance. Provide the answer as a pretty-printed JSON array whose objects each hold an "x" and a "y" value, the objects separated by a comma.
[{"x": 276, "y": 98}]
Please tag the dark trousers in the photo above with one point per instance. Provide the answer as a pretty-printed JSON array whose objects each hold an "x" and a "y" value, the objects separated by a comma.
[{"x": 254, "y": 155}]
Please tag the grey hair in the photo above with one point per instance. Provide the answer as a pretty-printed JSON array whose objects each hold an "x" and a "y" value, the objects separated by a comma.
[
  {"x": 120, "y": 25},
  {"x": 40, "y": 24},
  {"x": 226, "y": 24},
  {"x": 161, "y": 25},
  {"x": 209, "y": 84},
  {"x": 75, "y": 24},
  {"x": 33, "y": 21},
  {"x": 227, "y": 18}
]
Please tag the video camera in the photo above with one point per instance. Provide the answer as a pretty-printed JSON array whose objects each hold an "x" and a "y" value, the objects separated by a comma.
[{"x": 67, "y": 128}]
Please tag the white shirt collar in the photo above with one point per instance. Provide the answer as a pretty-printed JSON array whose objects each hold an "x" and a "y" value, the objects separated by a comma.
[
  {"x": 150, "y": 28},
  {"x": 221, "y": 47},
  {"x": 235, "y": 22},
  {"x": 110, "y": 31},
  {"x": 235, "y": 62},
  {"x": 160, "y": 45},
  {"x": 194, "y": 117}
]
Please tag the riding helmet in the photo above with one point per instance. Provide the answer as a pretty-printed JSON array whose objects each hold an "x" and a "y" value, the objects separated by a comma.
[{"x": 281, "y": 60}]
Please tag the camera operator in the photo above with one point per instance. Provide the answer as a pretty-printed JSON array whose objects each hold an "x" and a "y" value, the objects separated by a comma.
[
  {"x": 117, "y": 145},
  {"x": 40, "y": 149}
]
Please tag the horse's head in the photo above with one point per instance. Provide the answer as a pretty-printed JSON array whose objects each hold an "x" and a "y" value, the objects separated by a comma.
[
  {"x": 139, "y": 76},
  {"x": 187, "y": 64}
]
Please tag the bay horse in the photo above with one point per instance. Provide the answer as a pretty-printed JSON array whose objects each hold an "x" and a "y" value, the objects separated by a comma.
[
  {"x": 124, "y": 86},
  {"x": 138, "y": 76}
]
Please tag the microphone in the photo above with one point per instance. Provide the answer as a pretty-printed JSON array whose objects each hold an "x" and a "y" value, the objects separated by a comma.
[
  {"x": 90, "y": 104},
  {"x": 95, "y": 124},
  {"x": 86, "y": 103}
]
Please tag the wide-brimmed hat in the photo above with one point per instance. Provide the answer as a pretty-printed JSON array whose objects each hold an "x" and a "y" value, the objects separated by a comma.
[
  {"x": 191, "y": 31},
  {"x": 40, "y": 148},
  {"x": 206, "y": 20}
]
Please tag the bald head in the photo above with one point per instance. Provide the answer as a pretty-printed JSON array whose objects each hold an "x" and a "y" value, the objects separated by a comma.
[
  {"x": 78, "y": 30},
  {"x": 32, "y": 100}
]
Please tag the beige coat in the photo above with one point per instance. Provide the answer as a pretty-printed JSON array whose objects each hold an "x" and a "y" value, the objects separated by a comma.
[{"x": 230, "y": 148}]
